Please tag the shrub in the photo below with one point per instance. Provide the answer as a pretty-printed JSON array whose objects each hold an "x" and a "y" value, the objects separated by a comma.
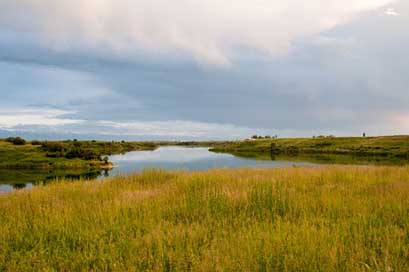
[
  {"x": 73, "y": 153},
  {"x": 16, "y": 140},
  {"x": 89, "y": 154},
  {"x": 106, "y": 159},
  {"x": 53, "y": 146}
]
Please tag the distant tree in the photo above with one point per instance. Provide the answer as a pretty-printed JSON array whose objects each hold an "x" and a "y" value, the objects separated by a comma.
[
  {"x": 35, "y": 142},
  {"x": 255, "y": 136},
  {"x": 89, "y": 154},
  {"x": 53, "y": 146},
  {"x": 77, "y": 144},
  {"x": 16, "y": 140},
  {"x": 364, "y": 134},
  {"x": 73, "y": 152}
]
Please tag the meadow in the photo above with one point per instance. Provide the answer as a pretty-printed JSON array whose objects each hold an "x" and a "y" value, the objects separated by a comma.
[
  {"x": 329, "y": 218},
  {"x": 390, "y": 148},
  {"x": 70, "y": 154}
]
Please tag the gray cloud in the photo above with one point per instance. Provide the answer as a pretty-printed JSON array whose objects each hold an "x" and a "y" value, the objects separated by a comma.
[
  {"x": 207, "y": 30},
  {"x": 341, "y": 81}
]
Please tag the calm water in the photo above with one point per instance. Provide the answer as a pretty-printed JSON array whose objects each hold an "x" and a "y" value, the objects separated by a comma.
[
  {"x": 185, "y": 158},
  {"x": 181, "y": 158}
]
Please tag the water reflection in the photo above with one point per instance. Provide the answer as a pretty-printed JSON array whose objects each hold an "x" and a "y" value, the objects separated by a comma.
[
  {"x": 25, "y": 179},
  {"x": 186, "y": 158},
  {"x": 179, "y": 158}
]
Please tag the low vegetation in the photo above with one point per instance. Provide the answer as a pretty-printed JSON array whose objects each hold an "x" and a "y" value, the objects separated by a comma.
[
  {"x": 16, "y": 153},
  {"x": 389, "y": 147},
  {"x": 16, "y": 140},
  {"x": 335, "y": 218}
]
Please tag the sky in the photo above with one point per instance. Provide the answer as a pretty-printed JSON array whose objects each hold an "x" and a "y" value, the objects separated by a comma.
[{"x": 203, "y": 69}]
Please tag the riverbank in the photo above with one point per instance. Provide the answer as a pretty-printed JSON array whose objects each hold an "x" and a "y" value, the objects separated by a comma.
[
  {"x": 320, "y": 218},
  {"x": 386, "y": 147},
  {"x": 59, "y": 155},
  {"x": 87, "y": 155}
]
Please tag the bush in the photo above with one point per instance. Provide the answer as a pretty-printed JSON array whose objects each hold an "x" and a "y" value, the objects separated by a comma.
[
  {"x": 35, "y": 142},
  {"x": 73, "y": 153},
  {"x": 89, "y": 154},
  {"x": 53, "y": 146},
  {"x": 16, "y": 140}
]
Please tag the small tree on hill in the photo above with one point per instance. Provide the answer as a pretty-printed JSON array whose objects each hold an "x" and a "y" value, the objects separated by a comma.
[{"x": 106, "y": 159}]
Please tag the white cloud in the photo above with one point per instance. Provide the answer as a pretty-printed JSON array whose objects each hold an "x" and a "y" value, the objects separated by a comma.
[
  {"x": 173, "y": 128},
  {"x": 391, "y": 12},
  {"x": 47, "y": 121},
  {"x": 208, "y": 30},
  {"x": 11, "y": 118}
]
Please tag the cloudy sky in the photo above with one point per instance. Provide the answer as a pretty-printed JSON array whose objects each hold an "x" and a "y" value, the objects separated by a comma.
[{"x": 203, "y": 69}]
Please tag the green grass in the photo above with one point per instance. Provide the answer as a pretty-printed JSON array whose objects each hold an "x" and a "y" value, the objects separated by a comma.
[
  {"x": 35, "y": 157},
  {"x": 388, "y": 147},
  {"x": 385, "y": 150},
  {"x": 335, "y": 218}
]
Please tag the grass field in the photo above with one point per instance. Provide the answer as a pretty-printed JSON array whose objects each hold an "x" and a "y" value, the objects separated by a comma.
[
  {"x": 333, "y": 218},
  {"x": 392, "y": 148},
  {"x": 36, "y": 157}
]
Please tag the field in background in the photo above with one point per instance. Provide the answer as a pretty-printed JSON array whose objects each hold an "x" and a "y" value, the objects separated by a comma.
[
  {"x": 386, "y": 149},
  {"x": 335, "y": 218}
]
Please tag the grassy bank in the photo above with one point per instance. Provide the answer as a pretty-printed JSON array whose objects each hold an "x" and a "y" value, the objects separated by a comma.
[
  {"x": 63, "y": 154},
  {"x": 289, "y": 219},
  {"x": 89, "y": 154},
  {"x": 388, "y": 147}
]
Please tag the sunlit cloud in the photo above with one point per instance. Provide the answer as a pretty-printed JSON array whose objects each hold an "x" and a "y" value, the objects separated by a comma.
[
  {"x": 207, "y": 30},
  {"x": 392, "y": 12}
]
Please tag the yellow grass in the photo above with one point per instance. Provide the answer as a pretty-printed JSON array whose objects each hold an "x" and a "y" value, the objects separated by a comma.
[{"x": 335, "y": 218}]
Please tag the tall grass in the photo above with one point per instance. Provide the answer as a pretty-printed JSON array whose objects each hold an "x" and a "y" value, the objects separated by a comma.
[{"x": 288, "y": 219}]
